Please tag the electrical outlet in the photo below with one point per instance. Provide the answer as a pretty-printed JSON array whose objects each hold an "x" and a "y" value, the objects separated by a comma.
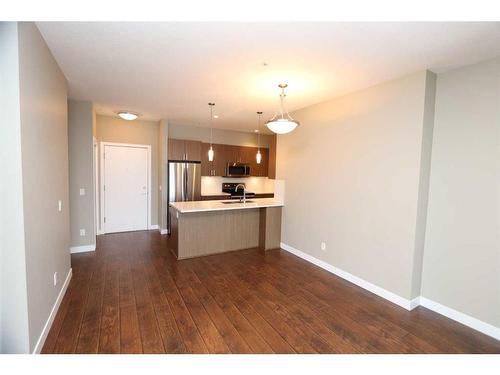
[
  {"x": 55, "y": 278},
  {"x": 82, "y": 191},
  {"x": 323, "y": 246},
  {"x": 82, "y": 232}
]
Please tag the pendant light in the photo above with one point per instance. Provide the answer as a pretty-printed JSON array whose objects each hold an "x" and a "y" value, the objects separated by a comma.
[
  {"x": 282, "y": 122},
  {"x": 259, "y": 155},
  {"x": 211, "y": 150}
]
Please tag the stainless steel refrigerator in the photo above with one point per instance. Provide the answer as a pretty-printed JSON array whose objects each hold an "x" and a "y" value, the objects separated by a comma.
[{"x": 184, "y": 183}]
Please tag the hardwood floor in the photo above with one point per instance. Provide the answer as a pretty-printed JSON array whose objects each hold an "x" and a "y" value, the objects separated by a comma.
[{"x": 132, "y": 296}]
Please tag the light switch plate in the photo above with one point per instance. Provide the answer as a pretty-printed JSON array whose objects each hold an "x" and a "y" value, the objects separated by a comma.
[
  {"x": 82, "y": 232},
  {"x": 82, "y": 191},
  {"x": 60, "y": 206},
  {"x": 323, "y": 246}
]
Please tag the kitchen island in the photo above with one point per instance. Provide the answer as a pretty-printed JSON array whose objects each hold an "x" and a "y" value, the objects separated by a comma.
[{"x": 209, "y": 227}]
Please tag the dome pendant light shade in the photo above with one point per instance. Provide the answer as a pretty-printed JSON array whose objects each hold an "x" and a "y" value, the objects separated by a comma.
[
  {"x": 211, "y": 150},
  {"x": 282, "y": 122}
]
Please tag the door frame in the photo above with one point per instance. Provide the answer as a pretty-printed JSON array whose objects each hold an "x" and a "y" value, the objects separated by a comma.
[
  {"x": 102, "y": 180},
  {"x": 97, "y": 210}
]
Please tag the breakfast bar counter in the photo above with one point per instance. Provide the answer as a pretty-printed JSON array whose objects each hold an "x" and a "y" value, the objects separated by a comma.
[{"x": 201, "y": 228}]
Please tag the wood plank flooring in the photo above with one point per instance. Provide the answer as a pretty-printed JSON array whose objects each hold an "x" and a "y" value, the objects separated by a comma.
[{"x": 132, "y": 296}]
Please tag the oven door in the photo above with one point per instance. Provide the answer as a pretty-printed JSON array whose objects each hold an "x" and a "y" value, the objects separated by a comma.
[{"x": 237, "y": 170}]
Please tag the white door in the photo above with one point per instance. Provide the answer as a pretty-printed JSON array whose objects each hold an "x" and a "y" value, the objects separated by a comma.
[{"x": 125, "y": 185}]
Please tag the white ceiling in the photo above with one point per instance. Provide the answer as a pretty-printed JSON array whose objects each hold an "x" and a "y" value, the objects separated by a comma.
[{"x": 172, "y": 70}]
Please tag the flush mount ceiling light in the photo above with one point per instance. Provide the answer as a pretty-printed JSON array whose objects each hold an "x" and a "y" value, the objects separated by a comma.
[
  {"x": 211, "y": 150},
  {"x": 282, "y": 122},
  {"x": 129, "y": 116}
]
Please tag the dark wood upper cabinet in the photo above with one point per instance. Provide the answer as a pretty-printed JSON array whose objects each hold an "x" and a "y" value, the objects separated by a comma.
[
  {"x": 220, "y": 160},
  {"x": 193, "y": 150},
  {"x": 176, "y": 149},
  {"x": 223, "y": 154},
  {"x": 206, "y": 166},
  {"x": 217, "y": 167},
  {"x": 179, "y": 149}
]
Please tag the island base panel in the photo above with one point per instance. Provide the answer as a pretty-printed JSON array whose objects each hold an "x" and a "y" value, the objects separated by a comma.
[
  {"x": 211, "y": 232},
  {"x": 270, "y": 228}
]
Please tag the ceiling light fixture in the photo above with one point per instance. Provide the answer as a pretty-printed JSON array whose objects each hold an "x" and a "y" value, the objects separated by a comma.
[
  {"x": 129, "y": 116},
  {"x": 259, "y": 155},
  {"x": 282, "y": 122},
  {"x": 211, "y": 150}
]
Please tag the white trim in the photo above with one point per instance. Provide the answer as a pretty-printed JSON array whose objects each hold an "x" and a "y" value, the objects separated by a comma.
[
  {"x": 154, "y": 226},
  {"x": 102, "y": 182},
  {"x": 95, "y": 162},
  {"x": 415, "y": 302},
  {"x": 53, "y": 312},
  {"x": 460, "y": 317},
  {"x": 163, "y": 231},
  {"x": 81, "y": 249},
  {"x": 448, "y": 312},
  {"x": 392, "y": 297}
]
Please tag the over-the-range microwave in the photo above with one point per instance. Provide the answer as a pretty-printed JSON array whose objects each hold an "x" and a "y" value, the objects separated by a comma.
[{"x": 237, "y": 170}]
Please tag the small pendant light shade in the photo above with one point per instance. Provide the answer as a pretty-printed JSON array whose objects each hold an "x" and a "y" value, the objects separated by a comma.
[
  {"x": 258, "y": 157},
  {"x": 211, "y": 150}
]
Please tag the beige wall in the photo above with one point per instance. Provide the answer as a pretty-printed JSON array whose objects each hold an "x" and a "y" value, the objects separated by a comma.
[
  {"x": 462, "y": 250},
  {"x": 222, "y": 136},
  {"x": 44, "y": 145},
  {"x": 114, "y": 129},
  {"x": 81, "y": 171},
  {"x": 352, "y": 174},
  {"x": 14, "y": 331}
]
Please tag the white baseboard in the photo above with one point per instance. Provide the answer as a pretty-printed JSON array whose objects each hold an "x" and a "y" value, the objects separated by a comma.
[
  {"x": 81, "y": 249},
  {"x": 153, "y": 227},
  {"x": 469, "y": 321},
  {"x": 415, "y": 302},
  {"x": 375, "y": 289},
  {"x": 458, "y": 316},
  {"x": 53, "y": 312},
  {"x": 163, "y": 231}
]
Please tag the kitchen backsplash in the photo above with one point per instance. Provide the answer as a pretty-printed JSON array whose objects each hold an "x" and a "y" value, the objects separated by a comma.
[{"x": 213, "y": 185}]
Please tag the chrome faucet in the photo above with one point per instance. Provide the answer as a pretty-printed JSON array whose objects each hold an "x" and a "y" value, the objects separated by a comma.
[{"x": 244, "y": 192}]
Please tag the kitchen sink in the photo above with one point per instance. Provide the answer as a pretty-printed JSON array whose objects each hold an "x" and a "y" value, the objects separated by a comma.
[{"x": 232, "y": 202}]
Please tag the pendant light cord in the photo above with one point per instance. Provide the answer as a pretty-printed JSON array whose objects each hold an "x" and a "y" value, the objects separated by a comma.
[
  {"x": 282, "y": 99},
  {"x": 211, "y": 122},
  {"x": 258, "y": 132}
]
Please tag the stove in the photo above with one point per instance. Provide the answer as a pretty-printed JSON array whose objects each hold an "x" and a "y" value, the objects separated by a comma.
[{"x": 230, "y": 187}]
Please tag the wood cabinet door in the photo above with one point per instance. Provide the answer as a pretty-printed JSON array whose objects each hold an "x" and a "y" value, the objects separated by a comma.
[
  {"x": 193, "y": 150},
  {"x": 176, "y": 150},
  {"x": 220, "y": 160},
  {"x": 232, "y": 153},
  {"x": 248, "y": 154},
  {"x": 206, "y": 166},
  {"x": 260, "y": 170},
  {"x": 264, "y": 164}
]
